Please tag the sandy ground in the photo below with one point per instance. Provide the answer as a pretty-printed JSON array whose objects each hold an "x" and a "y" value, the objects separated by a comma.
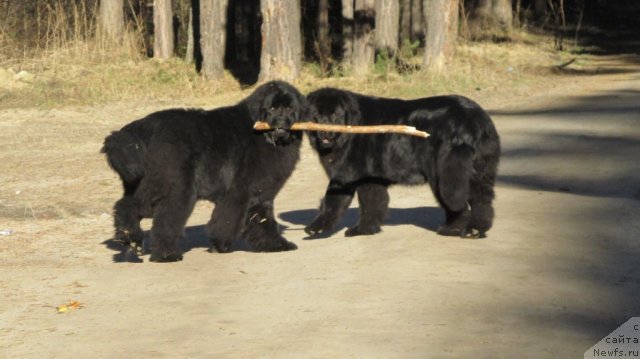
[{"x": 560, "y": 269}]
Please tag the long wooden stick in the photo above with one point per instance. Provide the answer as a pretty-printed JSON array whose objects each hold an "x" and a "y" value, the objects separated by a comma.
[{"x": 312, "y": 126}]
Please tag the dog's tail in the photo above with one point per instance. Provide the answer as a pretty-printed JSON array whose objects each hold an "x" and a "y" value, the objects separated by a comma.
[
  {"x": 125, "y": 154},
  {"x": 455, "y": 169}
]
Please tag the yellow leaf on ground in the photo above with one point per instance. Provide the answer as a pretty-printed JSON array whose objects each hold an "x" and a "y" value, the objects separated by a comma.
[{"x": 66, "y": 307}]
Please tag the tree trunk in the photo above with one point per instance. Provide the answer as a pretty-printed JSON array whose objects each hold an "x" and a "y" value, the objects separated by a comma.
[
  {"x": 540, "y": 9},
  {"x": 364, "y": 17},
  {"x": 387, "y": 26},
  {"x": 324, "y": 45},
  {"x": 162, "y": 29},
  {"x": 111, "y": 19},
  {"x": 418, "y": 20},
  {"x": 347, "y": 31},
  {"x": 281, "y": 42},
  {"x": 502, "y": 12},
  {"x": 213, "y": 26},
  {"x": 405, "y": 20},
  {"x": 442, "y": 17},
  {"x": 491, "y": 17},
  {"x": 190, "y": 55}
]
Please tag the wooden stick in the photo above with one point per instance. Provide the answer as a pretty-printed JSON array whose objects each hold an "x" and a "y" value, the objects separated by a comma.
[{"x": 312, "y": 126}]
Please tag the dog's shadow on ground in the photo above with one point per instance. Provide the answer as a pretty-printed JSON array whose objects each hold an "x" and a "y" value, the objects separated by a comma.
[
  {"x": 428, "y": 218},
  {"x": 194, "y": 237}
]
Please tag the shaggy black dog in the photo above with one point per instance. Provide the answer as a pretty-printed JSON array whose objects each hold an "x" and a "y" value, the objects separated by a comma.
[
  {"x": 459, "y": 159},
  {"x": 172, "y": 158}
]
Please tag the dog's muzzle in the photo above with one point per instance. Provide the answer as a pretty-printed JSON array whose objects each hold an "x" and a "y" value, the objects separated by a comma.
[{"x": 279, "y": 136}]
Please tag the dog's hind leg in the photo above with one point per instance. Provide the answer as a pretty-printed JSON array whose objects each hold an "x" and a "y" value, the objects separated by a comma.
[
  {"x": 455, "y": 221},
  {"x": 373, "y": 200},
  {"x": 335, "y": 202},
  {"x": 480, "y": 199},
  {"x": 127, "y": 216},
  {"x": 262, "y": 230}
]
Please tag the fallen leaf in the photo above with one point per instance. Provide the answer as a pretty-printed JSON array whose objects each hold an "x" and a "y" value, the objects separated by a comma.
[{"x": 66, "y": 307}]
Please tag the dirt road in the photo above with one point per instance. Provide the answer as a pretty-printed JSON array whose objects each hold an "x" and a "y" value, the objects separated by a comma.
[{"x": 560, "y": 269}]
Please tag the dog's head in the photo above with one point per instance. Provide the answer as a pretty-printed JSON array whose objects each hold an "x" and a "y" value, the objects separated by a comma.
[
  {"x": 334, "y": 107},
  {"x": 280, "y": 105}
]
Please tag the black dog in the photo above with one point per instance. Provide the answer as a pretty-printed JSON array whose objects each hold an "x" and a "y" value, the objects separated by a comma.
[
  {"x": 459, "y": 159},
  {"x": 172, "y": 158}
]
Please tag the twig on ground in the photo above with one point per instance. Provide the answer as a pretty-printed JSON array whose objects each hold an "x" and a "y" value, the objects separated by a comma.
[{"x": 563, "y": 65}]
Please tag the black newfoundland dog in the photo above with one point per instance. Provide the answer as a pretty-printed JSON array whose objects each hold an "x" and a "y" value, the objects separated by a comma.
[
  {"x": 170, "y": 159},
  {"x": 459, "y": 159}
]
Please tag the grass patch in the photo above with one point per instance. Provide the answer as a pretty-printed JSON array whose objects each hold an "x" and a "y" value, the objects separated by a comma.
[{"x": 86, "y": 74}]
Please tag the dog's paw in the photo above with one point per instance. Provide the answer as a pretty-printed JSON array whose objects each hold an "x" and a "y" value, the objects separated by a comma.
[
  {"x": 361, "y": 231},
  {"x": 137, "y": 248},
  {"x": 276, "y": 246},
  {"x": 315, "y": 228},
  {"x": 169, "y": 257},
  {"x": 163, "y": 255},
  {"x": 130, "y": 237},
  {"x": 472, "y": 233},
  {"x": 218, "y": 246},
  {"x": 446, "y": 230}
]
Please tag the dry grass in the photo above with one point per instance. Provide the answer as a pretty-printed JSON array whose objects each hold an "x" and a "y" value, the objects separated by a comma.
[{"x": 72, "y": 66}]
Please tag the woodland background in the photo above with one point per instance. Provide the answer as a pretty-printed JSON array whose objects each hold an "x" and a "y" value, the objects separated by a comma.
[{"x": 85, "y": 51}]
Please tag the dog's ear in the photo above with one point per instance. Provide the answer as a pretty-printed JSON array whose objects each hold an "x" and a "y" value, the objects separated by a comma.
[{"x": 260, "y": 100}]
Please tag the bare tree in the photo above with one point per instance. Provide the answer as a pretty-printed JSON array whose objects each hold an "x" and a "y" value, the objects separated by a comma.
[
  {"x": 324, "y": 43},
  {"x": 540, "y": 8},
  {"x": 418, "y": 21},
  {"x": 442, "y": 17},
  {"x": 502, "y": 13},
  {"x": 347, "y": 30},
  {"x": 363, "y": 40},
  {"x": 190, "y": 55},
  {"x": 111, "y": 19},
  {"x": 405, "y": 20},
  {"x": 213, "y": 26},
  {"x": 387, "y": 25},
  {"x": 490, "y": 17},
  {"x": 281, "y": 55},
  {"x": 162, "y": 29}
]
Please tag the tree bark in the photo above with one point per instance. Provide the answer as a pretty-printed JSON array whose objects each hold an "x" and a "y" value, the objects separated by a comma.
[
  {"x": 540, "y": 9},
  {"x": 387, "y": 25},
  {"x": 111, "y": 19},
  {"x": 281, "y": 42},
  {"x": 190, "y": 55},
  {"x": 162, "y": 29},
  {"x": 442, "y": 17},
  {"x": 213, "y": 26},
  {"x": 491, "y": 17},
  {"x": 324, "y": 44},
  {"x": 405, "y": 21},
  {"x": 502, "y": 12},
  {"x": 363, "y": 40},
  {"x": 418, "y": 23},
  {"x": 347, "y": 31}
]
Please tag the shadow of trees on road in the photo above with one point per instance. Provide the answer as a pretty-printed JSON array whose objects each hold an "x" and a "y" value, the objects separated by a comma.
[{"x": 589, "y": 146}]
